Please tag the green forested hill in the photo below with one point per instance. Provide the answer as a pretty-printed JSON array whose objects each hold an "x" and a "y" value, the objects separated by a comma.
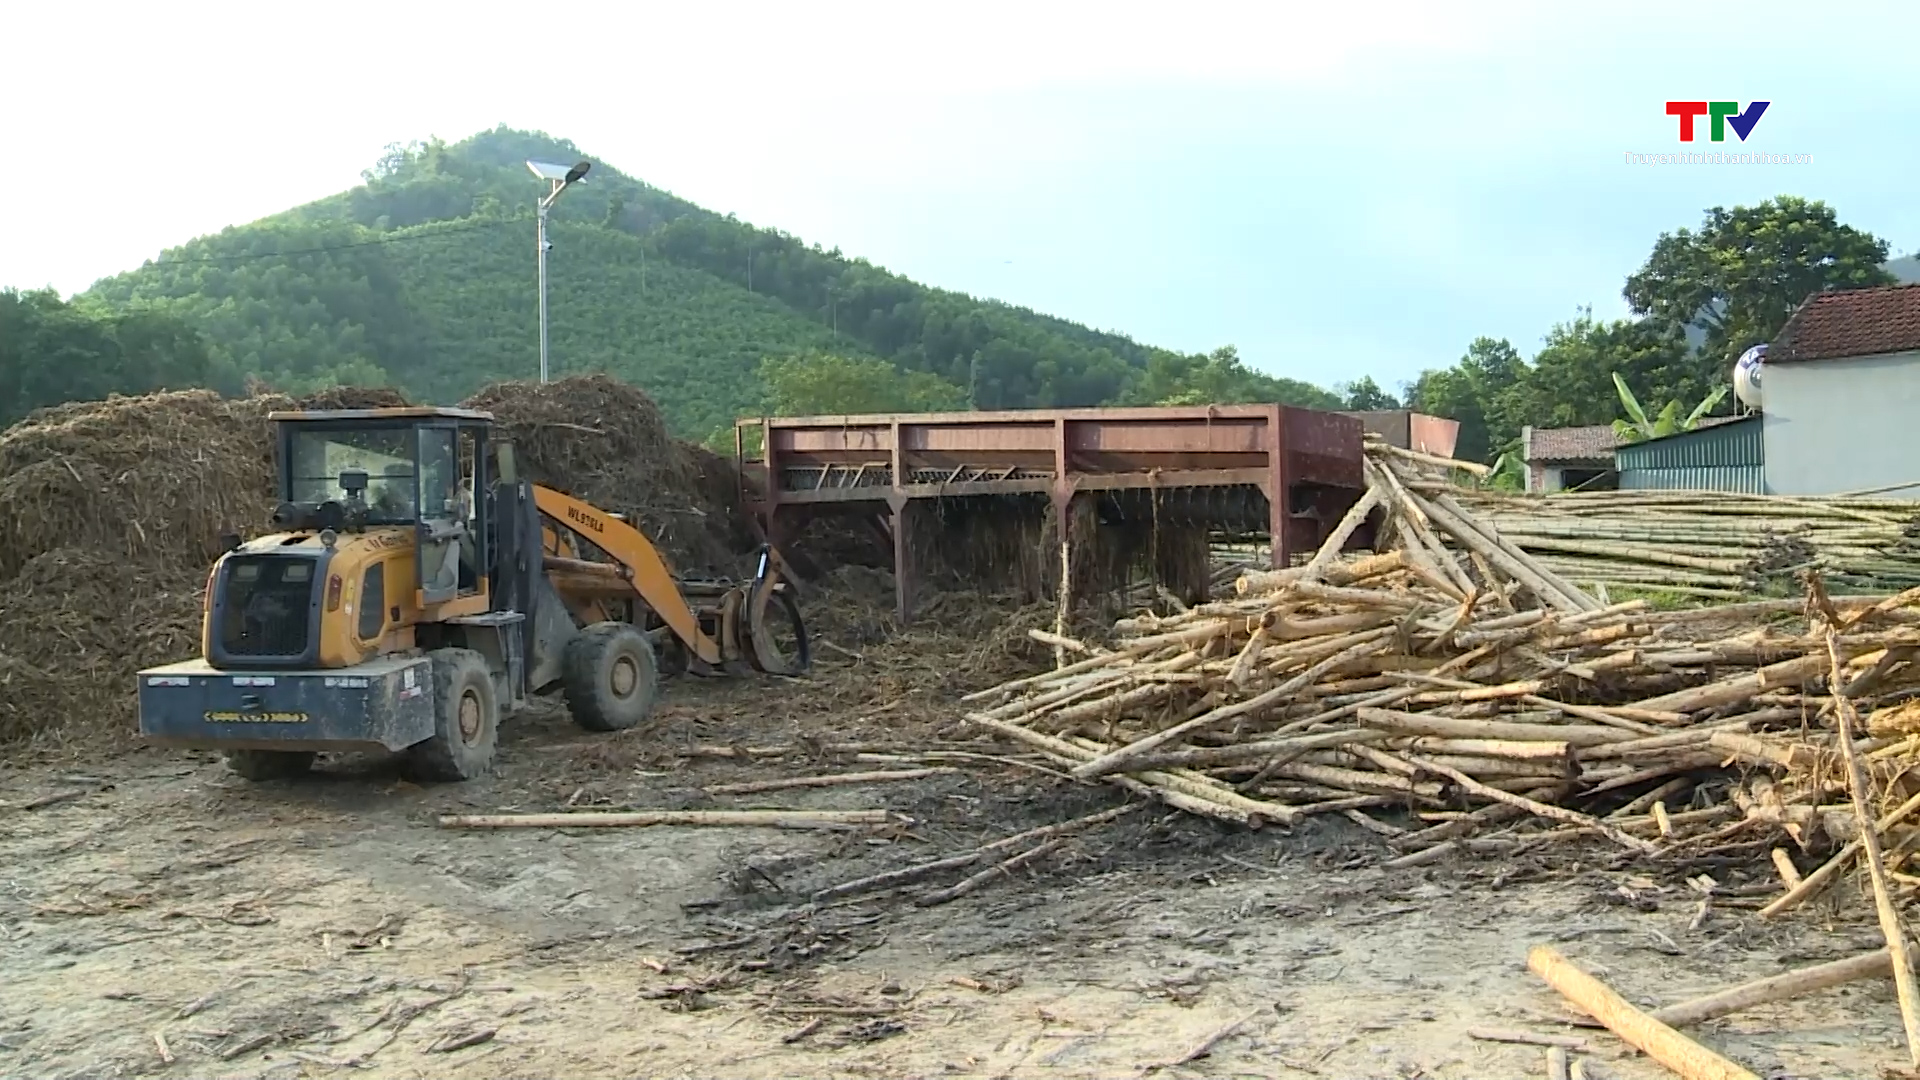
[
  {"x": 423, "y": 276},
  {"x": 691, "y": 341},
  {"x": 441, "y": 310}
]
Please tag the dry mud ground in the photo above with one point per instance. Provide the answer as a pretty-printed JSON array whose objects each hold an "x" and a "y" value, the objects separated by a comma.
[{"x": 327, "y": 927}]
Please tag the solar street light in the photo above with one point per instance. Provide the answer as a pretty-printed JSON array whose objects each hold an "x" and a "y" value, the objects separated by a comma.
[{"x": 561, "y": 177}]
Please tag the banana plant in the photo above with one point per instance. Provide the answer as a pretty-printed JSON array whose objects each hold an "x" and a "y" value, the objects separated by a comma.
[
  {"x": 1637, "y": 427},
  {"x": 1508, "y": 473}
]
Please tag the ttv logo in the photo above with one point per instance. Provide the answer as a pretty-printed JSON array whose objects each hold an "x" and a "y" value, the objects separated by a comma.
[{"x": 1724, "y": 114}]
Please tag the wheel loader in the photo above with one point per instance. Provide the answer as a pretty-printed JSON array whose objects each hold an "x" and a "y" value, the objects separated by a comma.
[{"x": 416, "y": 591}]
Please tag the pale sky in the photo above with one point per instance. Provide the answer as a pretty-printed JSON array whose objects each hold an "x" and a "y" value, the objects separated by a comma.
[{"x": 1339, "y": 191}]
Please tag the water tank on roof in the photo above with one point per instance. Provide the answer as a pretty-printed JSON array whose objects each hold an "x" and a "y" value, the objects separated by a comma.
[{"x": 1746, "y": 376}]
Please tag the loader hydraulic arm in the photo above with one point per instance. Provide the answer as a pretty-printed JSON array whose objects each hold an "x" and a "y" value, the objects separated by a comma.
[{"x": 636, "y": 560}]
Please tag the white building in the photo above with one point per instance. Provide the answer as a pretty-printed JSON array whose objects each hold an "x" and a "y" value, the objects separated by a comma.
[{"x": 1841, "y": 395}]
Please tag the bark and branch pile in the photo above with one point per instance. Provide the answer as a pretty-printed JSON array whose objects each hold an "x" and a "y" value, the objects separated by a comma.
[{"x": 1454, "y": 674}]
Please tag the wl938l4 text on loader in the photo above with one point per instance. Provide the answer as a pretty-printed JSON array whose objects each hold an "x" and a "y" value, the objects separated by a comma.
[{"x": 397, "y": 610}]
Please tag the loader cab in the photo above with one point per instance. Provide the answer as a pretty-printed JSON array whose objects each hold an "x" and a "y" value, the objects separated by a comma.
[{"x": 418, "y": 469}]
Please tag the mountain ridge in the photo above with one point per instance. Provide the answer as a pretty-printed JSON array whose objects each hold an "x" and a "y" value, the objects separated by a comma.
[{"x": 421, "y": 277}]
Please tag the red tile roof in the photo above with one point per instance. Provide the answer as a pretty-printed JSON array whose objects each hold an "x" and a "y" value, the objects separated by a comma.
[
  {"x": 1571, "y": 444},
  {"x": 1851, "y": 322}
]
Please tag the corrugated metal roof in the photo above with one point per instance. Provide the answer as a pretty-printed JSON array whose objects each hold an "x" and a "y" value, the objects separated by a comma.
[{"x": 1724, "y": 457}]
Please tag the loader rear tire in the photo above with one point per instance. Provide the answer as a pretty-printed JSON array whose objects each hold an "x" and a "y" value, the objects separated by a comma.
[
  {"x": 610, "y": 677},
  {"x": 466, "y": 719},
  {"x": 270, "y": 764}
]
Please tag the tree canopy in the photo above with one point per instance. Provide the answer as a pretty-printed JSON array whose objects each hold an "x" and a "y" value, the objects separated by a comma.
[
  {"x": 826, "y": 384},
  {"x": 1363, "y": 394},
  {"x": 1735, "y": 282},
  {"x": 1746, "y": 270},
  {"x": 52, "y": 351},
  {"x": 1219, "y": 377}
]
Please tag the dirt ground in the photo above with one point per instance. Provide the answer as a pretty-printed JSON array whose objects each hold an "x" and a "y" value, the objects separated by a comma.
[{"x": 174, "y": 920}]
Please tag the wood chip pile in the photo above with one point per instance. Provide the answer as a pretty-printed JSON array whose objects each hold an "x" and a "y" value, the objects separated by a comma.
[
  {"x": 1714, "y": 544},
  {"x": 1459, "y": 676},
  {"x": 112, "y": 511}
]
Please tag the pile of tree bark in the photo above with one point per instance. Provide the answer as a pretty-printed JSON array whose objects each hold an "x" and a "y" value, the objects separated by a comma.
[
  {"x": 1712, "y": 544},
  {"x": 1457, "y": 675}
]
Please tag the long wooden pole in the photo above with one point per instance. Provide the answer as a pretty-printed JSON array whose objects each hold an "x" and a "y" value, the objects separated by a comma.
[
  {"x": 1876, "y": 964},
  {"x": 1643, "y": 1032},
  {"x": 1890, "y": 924},
  {"x": 777, "y": 819}
]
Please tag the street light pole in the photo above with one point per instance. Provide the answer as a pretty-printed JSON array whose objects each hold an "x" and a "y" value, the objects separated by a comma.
[
  {"x": 540, "y": 230},
  {"x": 560, "y": 177}
]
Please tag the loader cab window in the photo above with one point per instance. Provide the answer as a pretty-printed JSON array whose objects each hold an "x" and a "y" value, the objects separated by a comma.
[{"x": 317, "y": 457}]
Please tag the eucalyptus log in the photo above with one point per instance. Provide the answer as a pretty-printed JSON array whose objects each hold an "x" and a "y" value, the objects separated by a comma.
[{"x": 1651, "y": 1037}]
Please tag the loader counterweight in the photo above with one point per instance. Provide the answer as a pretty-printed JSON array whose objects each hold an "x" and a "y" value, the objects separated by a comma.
[{"x": 382, "y": 704}]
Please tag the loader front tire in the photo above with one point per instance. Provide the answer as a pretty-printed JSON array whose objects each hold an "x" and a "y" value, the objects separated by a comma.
[
  {"x": 610, "y": 677},
  {"x": 270, "y": 764},
  {"x": 466, "y": 719}
]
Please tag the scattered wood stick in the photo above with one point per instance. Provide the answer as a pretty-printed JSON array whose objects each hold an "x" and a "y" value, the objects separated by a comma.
[
  {"x": 1454, "y": 727},
  {"x": 1661, "y": 820},
  {"x": 1425, "y": 458},
  {"x": 894, "y": 878},
  {"x": 1651, "y": 1037},
  {"x": 1206, "y": 1045},
  {"x": 1372, "y": 825},
  {"x": 775, "y": 819},
  {"x": 447, "y": 1044},
  {"x": 910, "y": 874},
  {"x": 999, "y": 870},
  {"x": 1116, "y": 761},
  {"x": 805, "y": 1030},
  {"x": 1890, "y": 925},
  {"x": 835, "y": 780},
  {"x": 1813, "y": 882},
  {"x": 1062, "y": 641},
  {"x": 1558, "y": 1064},
  {"x": 1538, "y": 809},
  {"x": 248, "y": 1046},
  {"x": 1783, "y": 862},
  {"x": 54, "y": 798},
  {"x": 1508, "y": 1035}
]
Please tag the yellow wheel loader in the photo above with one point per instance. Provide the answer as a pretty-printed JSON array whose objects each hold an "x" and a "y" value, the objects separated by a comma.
[{"x": 416, "y": 591}]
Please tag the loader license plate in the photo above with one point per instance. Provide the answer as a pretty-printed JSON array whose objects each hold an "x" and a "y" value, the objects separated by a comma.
[{"x": 229, "y": 717}]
